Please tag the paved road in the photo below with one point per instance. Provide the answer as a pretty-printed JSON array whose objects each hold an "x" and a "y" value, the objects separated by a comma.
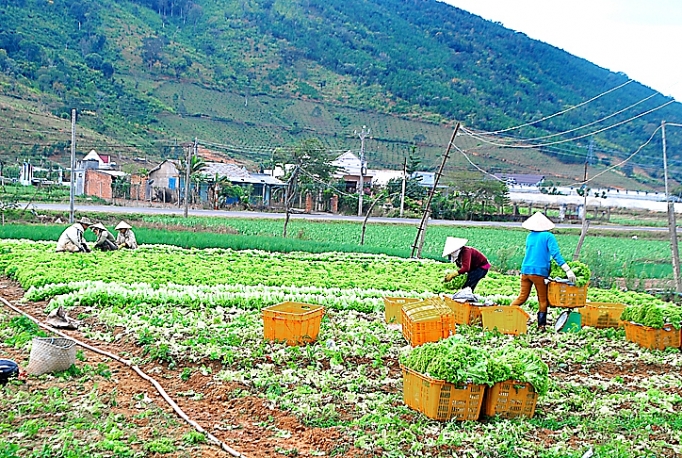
[{"x": 311, "y": 217}]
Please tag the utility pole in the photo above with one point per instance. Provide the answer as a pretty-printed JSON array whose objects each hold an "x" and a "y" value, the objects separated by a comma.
[
  {"x": 672, "y": 222},
  {"x": 586, "y": 224},
  {"x": 402, "y": 192},
  {"x": 73, "y": 165},
  {"x": 363, "y": 134},
  {"x": 188, "y": 165},
  {"x": 421, "y": 231}
]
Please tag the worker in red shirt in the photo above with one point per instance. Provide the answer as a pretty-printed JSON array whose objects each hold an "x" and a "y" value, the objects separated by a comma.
[{"x": 469, "y": 260}]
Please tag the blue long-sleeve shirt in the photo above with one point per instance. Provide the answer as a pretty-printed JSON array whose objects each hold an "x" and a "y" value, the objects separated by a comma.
[{"x": 541, "y": 248}]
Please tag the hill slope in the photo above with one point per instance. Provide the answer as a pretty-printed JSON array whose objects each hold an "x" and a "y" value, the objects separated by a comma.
[{"x": 251, "y": 75}]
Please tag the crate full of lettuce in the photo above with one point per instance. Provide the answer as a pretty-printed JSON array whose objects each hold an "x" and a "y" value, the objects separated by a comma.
[
  {"x": 562, "y": 294},
  {"x": 653, "y": 324},
  {"x": 451, "y": 379}
]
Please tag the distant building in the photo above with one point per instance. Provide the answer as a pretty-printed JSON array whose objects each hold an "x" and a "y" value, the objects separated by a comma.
[
  {"x": 91, "y": 180},
  {"x": 162, "y": 183},
  {"x": 104, "y": 161},
  {"x": 348, "y": 168},
  {"x": 263, "y": 184},
  {"x": 519, "y": 179}
]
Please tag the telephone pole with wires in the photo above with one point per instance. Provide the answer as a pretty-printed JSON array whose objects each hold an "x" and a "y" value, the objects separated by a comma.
[
  {"x": 72, "y": 195},
  {"x": 190, "y": 153},
  {"x": 364, "y": 133},
  {"x": 672, "y": 222}
]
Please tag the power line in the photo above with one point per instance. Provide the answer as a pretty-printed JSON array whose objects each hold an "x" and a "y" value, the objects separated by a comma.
[
  {"x": 561, "y": 112},
  {"x": 620, "y": 123},
  {"x": 625, "y": 160},
  {"x": 594, "y": 122}
]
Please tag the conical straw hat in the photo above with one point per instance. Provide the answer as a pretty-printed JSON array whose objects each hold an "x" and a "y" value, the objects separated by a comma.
[
  {"x": 453, "y": 244},
  {"x": 123, "y": 225},
  {"x": 538, "y": 223}
]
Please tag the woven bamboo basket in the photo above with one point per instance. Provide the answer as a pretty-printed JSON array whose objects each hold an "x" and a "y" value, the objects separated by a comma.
[{"x": 51, "y": 354}]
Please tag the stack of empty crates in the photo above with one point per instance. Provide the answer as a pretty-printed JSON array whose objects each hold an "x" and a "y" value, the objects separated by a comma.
[{"x": 429, "y": 320}]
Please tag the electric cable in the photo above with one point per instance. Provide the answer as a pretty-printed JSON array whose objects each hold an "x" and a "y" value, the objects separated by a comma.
[
  {"x": 624, "y": 161},
  {"x": 620, "y": 123},
  {"x": 562, "y": 111},
  {"x": 616, "y": 113}
]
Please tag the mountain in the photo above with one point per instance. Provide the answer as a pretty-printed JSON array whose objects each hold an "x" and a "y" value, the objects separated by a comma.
[{"x": 247, "y": 76}]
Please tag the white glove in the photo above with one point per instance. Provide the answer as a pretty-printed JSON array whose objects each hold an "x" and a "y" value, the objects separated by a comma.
[{"x": 569, "y": 273}]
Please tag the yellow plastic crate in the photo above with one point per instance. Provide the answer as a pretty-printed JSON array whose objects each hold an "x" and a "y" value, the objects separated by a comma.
[
  {"x": 602, "y": 314},
  {"x": 566, "y": 296},
  {"x": 393, "y": 308},
  {"x": 652, "y": 338},
  {"x": 510, "y": 399},
  {"x": 292, "y": 322},
  {"x": 429, "y": 320},
  {"x": 465, "y": 313},
  {"x": 507, "y": 319},
  {"x": 440, "y": 400}
]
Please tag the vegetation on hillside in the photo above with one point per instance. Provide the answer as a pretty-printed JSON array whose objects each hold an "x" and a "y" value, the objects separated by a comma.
[{"x": 254, "y": 75}]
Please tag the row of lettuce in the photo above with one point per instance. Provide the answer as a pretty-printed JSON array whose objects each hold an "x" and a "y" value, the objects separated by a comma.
[{"x": 254, "y": 279}]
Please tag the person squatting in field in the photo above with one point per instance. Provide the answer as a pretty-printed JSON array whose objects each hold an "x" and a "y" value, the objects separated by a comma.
[
  {"x": 71, "y": 240},
  {"x": 469, "y": 260},
  {"x": 105, "y": 241},
  {"x": 126, "y": 237}
]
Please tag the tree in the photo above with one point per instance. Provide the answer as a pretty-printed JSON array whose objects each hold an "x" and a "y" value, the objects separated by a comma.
[{"x": 313, "y": 159}]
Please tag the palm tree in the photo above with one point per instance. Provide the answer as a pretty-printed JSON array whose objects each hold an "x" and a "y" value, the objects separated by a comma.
[{"x": 197, "y": 165}]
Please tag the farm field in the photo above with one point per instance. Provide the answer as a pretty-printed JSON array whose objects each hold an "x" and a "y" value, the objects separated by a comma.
[
  {"x": 612, "y": 259},
  {"x": 192, "y": 319}
]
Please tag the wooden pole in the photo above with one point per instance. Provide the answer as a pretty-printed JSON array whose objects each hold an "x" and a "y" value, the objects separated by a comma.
[
  {"x": 421, "y": 231},
  {"x": 672, "y": 222}
]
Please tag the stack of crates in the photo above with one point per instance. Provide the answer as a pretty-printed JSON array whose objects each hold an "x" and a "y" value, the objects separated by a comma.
[
  {"x": 429, "y": 320},
  {"x": 393, "y": 308}
]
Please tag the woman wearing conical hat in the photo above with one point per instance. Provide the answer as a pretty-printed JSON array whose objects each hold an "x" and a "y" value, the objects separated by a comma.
[
  {"x": 469, "y": 260},
  {"x": 541, "y": 248},
  {"x": 126, "y": 237},
  {"x": 105, "y": 241}
]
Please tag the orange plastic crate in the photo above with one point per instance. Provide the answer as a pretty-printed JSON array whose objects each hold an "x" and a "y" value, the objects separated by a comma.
[
  {"x": 507, "y": 319},
  {"x": 292, "y": 322},
  {"x": 393, "y": 308},
  {"x": 440, "y": 400},
  {"x": 465, "y": 312},
  {"x": 602, "y": 314},
  {"x": 429, "y": 320},
  {"x": 510, "y": 399},
  {"x": 566, "y": 296},
  {"x": 652, "y": 338}
]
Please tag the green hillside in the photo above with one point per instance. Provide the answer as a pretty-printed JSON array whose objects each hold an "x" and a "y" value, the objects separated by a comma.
[{"x": 247, "y": 76}]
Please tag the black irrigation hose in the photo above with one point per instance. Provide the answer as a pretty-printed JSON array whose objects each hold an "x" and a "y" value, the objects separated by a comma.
[{"x": 139, "y": 372}]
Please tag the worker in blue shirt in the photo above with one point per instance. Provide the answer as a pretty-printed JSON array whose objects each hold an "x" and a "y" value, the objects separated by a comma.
[{"x": 541, "y": 248}]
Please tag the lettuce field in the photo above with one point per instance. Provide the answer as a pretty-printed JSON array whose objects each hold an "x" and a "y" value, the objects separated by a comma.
[{"x": 192, "y": 318}]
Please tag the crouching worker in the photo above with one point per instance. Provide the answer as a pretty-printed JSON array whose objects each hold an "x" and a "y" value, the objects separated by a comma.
[
  {"x": 126, "y": 237},
  {"x": 469, "y": 260},
  {"x": 72, "y": 240},
  {"x": 105, "y": 241}
]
